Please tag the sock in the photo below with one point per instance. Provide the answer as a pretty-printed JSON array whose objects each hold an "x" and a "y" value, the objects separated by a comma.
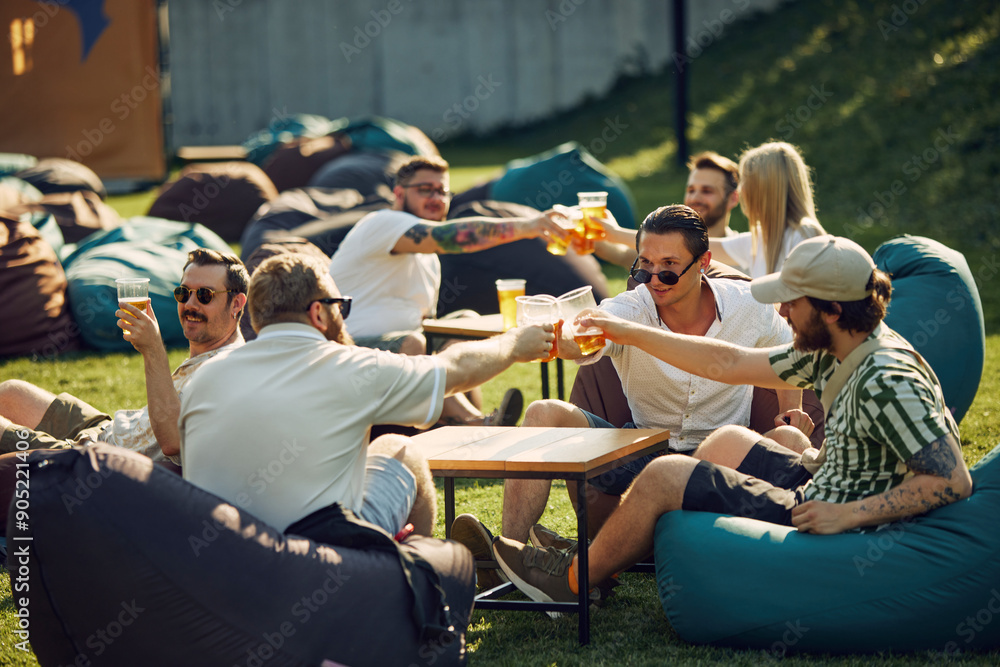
[{"x": 574, "y": 584}]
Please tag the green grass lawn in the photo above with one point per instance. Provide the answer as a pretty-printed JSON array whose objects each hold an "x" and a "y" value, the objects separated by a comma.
[{"x": 901, "y": 125}]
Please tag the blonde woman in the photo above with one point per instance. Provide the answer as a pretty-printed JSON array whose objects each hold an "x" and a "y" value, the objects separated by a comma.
[{"x": 776, "y": 197}]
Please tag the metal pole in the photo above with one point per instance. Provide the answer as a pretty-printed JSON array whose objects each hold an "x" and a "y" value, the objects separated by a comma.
[{"x": 681, "y": 62}]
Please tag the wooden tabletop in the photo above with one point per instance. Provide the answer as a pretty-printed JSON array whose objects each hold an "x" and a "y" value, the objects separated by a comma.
[
  {"x": 480, "y": 326},
  {"x": 460, "y": 451}
]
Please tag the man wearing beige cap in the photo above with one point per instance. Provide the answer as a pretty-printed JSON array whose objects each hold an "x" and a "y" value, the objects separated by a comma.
[{"x": 892, "y": 448}]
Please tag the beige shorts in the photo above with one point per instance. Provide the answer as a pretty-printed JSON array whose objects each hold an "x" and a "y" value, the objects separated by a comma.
[{"x": 67, "y": 422}]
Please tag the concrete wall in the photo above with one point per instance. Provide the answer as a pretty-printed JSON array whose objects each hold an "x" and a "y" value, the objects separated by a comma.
[{"x": 446, "y": 66}]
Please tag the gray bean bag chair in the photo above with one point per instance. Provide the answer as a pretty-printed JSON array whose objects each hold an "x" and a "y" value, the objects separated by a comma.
[{"x": 129, "y": 564}]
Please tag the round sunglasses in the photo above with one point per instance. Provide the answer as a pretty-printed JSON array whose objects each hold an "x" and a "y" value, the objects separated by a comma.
[
  {"x": 204, "y": 294},
  {"x": 666, "y": 277}
]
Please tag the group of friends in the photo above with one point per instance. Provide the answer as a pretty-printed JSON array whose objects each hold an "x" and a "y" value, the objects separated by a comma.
[{"x": 280, "y": 426}]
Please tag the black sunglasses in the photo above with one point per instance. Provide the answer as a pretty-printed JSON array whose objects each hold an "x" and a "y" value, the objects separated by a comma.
[
  {"x": 666, "y": 277},
  {"x": 204, "y": 294},
  {"x": 344, "y": 301}
]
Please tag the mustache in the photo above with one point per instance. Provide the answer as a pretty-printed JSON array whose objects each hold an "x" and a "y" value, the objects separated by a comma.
[{"x": 194, "y": 315}]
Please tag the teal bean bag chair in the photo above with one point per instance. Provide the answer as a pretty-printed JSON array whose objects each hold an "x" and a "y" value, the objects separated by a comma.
[
  {"x": 556, "y": 176},
  {"x": 936, "y": 307},
  {"x": 929, "y": 583},
  {"x": 261, "y": 144},
  {"x": 378, "y": 134},
  {"x": 143, "y": 248}
]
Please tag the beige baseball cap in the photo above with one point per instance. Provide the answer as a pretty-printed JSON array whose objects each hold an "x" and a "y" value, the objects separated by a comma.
[{"x": 823, "y": 267}]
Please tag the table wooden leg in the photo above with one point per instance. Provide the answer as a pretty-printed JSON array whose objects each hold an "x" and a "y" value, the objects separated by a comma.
[
  {"x": 583, "y": 573},
  {"x": 449, "y": 505}
]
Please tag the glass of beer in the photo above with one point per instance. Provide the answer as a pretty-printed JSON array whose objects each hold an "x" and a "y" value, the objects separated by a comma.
[
  {"x": 507, "y": 290},
  {"x": 591, "y": 339},
  {"x": 540, "y": 309},
  {"x": 133, "y": 291},
  {"x": 592, "y": 205}
]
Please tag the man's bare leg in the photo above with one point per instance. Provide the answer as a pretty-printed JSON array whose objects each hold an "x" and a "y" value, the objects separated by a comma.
[
  {"x": 424, "y": 510},
  {"x": 627, "y": 537},
  {"x": 23, "y": 403},
  {"x": 524, "y": 499},
  {"x": 600, "y": 506}
]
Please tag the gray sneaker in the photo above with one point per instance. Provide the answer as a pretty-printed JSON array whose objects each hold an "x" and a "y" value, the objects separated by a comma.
[
  {"x": 474, "y": 536},
  {"x": 541, "y": 574},
  {"x": 543, "y": 537}
]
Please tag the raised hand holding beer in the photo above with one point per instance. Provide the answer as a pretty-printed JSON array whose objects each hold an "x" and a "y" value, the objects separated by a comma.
[
  {"x": 136, "y": 318},
  {"x": 541, "y": 309}
]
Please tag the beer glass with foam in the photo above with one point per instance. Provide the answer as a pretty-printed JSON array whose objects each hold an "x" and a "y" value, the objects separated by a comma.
[
  {"x": 590, "y": 339},
  {"x": 509, "y": 289},
  {"x": 540, "y": 309},
  {"x": 133, "y": 291}
]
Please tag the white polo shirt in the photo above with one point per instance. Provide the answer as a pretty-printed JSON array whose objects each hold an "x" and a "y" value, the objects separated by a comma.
[
  {"x": 280, "y": 426},
  {"x": 662, "y": 396}
]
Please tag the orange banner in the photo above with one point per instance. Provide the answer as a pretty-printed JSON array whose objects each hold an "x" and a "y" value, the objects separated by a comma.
[{"x": 80, "y": 80}]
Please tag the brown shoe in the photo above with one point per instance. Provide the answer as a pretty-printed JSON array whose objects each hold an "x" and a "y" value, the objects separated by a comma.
[{"x": 474, "y": 536}]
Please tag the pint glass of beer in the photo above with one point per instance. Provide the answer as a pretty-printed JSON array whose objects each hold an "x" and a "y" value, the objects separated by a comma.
[
  {"x": 591, "y": 339},
  {"x": 592, "y": 205},
  {"x": 133, "y": 291},
  {"x": 507, "y": 290},
  {"x": 540, "y": 309}
]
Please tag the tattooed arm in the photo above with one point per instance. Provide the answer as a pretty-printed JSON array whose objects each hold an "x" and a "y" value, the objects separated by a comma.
[
  {"x": 472, "y": 234},
  {"x": 939, "y": 478}
]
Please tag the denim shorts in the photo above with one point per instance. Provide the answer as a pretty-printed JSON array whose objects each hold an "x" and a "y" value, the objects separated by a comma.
[
  {"x": 390, "y": 491},
  {"x": 617, "y": 480}
]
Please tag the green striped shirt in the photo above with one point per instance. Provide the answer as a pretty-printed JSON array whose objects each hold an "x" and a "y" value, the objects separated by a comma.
[{"x": 889, "y": 409}]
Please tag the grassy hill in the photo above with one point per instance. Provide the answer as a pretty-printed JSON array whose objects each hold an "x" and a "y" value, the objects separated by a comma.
[{"x": 893, "y": 105}]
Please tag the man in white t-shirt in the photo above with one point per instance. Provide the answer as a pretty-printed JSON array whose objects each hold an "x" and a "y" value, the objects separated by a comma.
[
  {"x": 210, "y": 299},
  {"x": 280, "y": 426},
  {"x": 389, "y": 263}
]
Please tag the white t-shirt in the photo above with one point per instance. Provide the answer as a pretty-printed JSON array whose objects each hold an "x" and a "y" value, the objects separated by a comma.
[
  {"x": 280, "y": 427},
  {"x": 391, "y": 292},
  {"x": 131, "y": 429},
  {"x": 739, "y": 248},
  {"x": 662, "y": 396}
]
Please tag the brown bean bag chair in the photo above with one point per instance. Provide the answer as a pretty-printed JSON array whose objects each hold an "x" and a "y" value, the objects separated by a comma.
[
  {"x": 279, "y": 247},
  {"x": 223, "y": 196},
  {"x": 78, "y": 213},
  {"x": 292, "y": 164},
  {"x": 58, "y": 174},
  {"x": 598, "y": 389},
  {"x": 33, "y": 310}
]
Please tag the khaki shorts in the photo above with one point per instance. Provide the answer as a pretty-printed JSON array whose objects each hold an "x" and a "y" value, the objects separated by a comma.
[{"x": 67, "y": 422}]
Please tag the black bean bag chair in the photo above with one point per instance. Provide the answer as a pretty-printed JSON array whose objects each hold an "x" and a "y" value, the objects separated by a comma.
[
  {"x": 78, "y": 214},
  {"x": 223, "y": 196},
  {"x": 368, "y": 173},
  {"x": 129, "y": 564},
  {"x": 56, "y": 174},
  {"x": 468, "y": 280},
  {"x": 321, "y": 215}
]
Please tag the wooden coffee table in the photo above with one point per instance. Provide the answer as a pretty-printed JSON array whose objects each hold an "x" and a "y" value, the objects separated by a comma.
[
  {"x": 485, "y": 326},
  {"x": 577, "y": 454}
]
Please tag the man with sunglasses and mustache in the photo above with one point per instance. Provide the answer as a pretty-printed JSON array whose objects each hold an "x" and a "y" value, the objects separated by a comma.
[
  {"x": 210, "y": 300},
  {"x": 673, "y": 295},
  {"x": 389, "y": 263}
]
